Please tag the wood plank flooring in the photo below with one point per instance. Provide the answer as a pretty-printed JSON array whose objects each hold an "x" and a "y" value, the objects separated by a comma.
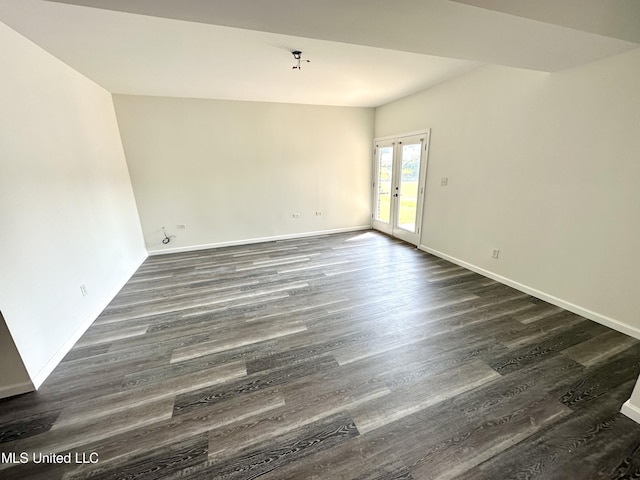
[{"x": 349, "y": 356}]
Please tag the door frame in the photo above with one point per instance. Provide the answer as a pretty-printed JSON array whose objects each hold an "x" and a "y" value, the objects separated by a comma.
[{"x": 392, "y": 227}]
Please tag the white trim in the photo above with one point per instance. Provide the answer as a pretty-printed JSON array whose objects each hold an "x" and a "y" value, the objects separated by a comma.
[
  {"x": 406, "y": 134},
  {"x": 249, "y": 241},
  {"x": 631, "y": 411},
  {"x": 591, "y": 315},
  {"x": 44, "y": 372},
  {"x": 16, "y": 389}
]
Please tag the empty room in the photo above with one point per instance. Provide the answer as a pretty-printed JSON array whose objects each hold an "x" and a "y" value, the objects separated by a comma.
[{"x": 297, "y": 239}]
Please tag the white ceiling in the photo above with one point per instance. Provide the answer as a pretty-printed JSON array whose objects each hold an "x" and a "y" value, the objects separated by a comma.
[
  {"x": 613, "y": 18},
  {"x": 362, "y": 52}
]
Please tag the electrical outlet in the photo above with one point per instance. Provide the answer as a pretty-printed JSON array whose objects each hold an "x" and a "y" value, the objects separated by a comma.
[
  {"x": 296, "y": 215},
  {"x": 181, "y": 226},
  {"x": 444, "y": 181},
  {"x": 495, "y": 253},
  {"x": 83, "y": 290}
]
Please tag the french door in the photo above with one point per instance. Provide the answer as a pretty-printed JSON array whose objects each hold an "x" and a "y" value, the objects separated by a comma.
[{"x": 398, "y": 185}]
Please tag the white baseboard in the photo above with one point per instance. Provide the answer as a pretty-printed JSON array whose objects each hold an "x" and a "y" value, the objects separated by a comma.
[
  {"x": 249, "y": 241},
  {"x": 631, "y": 411},
  {"x": 584, "y": 312},
  {"x": 42, "y": 375},
  {"x": 16, "y": 389}
]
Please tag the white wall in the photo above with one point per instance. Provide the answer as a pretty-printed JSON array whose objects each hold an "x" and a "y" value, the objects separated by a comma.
[
  {"x": 235, "y": 172},
  {"x": 14, "y": 378},
  {"x": 67, "y": 210},
  {"x": 544, "y": 167}
]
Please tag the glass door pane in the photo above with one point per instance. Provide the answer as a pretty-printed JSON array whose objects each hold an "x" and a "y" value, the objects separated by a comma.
[
  {"x": 409, "y": 180},
  {"x": 384, "y": 174}
]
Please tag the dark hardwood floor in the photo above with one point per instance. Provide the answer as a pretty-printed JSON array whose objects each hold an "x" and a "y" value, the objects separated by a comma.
[{"x": 350, "y": 356}]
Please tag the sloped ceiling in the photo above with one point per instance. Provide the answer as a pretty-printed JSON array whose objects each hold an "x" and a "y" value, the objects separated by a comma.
[
  {"x": 612, "y": 18},
  {"x": 362, "y": 52}
]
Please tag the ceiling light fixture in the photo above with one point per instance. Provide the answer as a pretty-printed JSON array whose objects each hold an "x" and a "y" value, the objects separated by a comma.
[{"x": 297, "y": 54}]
